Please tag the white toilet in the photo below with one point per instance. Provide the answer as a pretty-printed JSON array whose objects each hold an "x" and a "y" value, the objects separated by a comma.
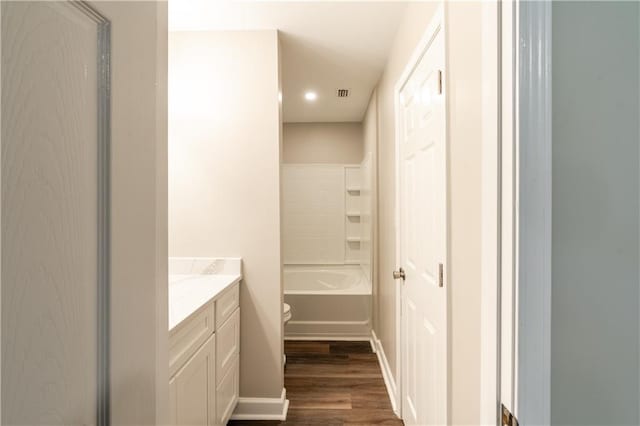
[{"x": 286, "y": 312}]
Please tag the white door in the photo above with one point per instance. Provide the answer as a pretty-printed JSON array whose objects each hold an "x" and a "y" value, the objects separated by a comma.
[{"x": 423, "y": 236}]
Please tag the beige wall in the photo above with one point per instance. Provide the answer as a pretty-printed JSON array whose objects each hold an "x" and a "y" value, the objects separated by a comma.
[
  {"x": 464, "y": 35},
  {"x": 337, "y": 143},
  {"x": 224, "y": 168},
  {"x": 463, "y": 26}
]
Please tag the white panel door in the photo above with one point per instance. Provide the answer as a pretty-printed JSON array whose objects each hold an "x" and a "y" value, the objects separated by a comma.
[
  {"x": 422, "y": 192},
  {"x": 54, "y": 201}
]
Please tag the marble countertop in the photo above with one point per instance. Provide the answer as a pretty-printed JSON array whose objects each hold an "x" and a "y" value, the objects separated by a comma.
[{"x": 196, "y": 284}]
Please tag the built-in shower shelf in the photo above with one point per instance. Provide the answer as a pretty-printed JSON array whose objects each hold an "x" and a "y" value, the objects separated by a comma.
[{"x": 352, "y": 209}]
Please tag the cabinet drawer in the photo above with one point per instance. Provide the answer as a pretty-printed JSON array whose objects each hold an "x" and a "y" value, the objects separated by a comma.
[
  {"x": 227, "y": 345},
  {"x": 227, "y": 393},
  {"x": 187, "y": 337},
  {"x": 226, "y": 304}
]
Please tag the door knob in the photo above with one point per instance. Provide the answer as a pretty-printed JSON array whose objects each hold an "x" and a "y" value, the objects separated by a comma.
[{"x": 399, "y": 274}]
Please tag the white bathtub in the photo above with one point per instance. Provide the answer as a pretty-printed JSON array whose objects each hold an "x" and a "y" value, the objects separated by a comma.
[
  {"x": 325, "y": 279},
  {"x": 327, "y": 302}
]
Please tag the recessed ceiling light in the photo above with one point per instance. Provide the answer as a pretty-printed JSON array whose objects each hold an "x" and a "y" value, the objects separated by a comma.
[{"x": 311, "y": 96}]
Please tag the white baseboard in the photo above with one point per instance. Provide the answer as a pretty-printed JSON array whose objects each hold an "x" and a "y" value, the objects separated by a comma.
[
  {"x": 262, "y": 408},
  {"x": 389, "y": 381},
  {"x": 328, "y": 337},
  {"x": 327, "y": 330}
]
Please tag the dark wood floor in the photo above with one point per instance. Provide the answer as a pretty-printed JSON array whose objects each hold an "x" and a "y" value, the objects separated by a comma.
[{"x": 333, "y": 383}]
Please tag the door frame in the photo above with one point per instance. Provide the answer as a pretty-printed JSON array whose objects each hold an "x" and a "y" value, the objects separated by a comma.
[
  {"x": 493, "y": 81},
  {"x": 437, "y": 23},
  {"x": 527, "y": 383},
  {"x": 534, "y": 149}
]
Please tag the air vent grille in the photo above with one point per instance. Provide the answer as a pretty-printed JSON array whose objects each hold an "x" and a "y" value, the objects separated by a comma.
[{"x": 342, "y": 93}]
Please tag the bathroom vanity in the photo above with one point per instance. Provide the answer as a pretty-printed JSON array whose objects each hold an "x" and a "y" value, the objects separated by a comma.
[{"x": 204, "y": 339}]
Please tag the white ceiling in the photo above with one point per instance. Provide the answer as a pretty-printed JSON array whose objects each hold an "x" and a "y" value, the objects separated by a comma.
[{"x": 325, "y": 46}]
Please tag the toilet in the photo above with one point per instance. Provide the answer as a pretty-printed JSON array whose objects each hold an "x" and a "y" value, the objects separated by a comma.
[
  {"x": 286, "y": 316},
  {"x": 286, "y": 308}
]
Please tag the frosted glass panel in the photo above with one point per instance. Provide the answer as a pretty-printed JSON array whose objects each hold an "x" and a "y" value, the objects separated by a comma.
[{"x": 54, "y": 204}]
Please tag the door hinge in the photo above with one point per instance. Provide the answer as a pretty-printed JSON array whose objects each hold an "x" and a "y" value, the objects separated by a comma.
[
  {"x": 508, "y": 419},
  {"x": 440, "y": 88},
  {"x": 440, "y": 275}
]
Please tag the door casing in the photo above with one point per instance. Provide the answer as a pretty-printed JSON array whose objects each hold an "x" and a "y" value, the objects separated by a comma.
[
  {"x": 532, "y": 389},
  {"x": 516, "y": 289}
]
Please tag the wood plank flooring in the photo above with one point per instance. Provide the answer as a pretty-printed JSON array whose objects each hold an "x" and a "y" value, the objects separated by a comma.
[{"x": 333, "y": 383}]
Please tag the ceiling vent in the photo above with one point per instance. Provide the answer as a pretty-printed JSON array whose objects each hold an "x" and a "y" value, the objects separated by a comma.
[{"x": 342, "y": 93}]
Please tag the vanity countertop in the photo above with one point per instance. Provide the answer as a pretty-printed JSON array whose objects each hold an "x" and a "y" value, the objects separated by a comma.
[{"x": 194, "y": 282}]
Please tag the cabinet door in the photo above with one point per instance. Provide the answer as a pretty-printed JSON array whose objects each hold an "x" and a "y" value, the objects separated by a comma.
[
  {"x": 227, "y": 392},
  {"x": 227, "y": 373},
  {"x": 195, "y": 387}
]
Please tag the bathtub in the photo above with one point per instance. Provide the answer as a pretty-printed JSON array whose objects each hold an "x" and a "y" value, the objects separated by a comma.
[{"x": 327, "y": 302}]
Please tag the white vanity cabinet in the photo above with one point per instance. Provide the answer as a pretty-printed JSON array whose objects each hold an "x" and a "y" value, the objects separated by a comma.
[{"x": 204, "y": 351}]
